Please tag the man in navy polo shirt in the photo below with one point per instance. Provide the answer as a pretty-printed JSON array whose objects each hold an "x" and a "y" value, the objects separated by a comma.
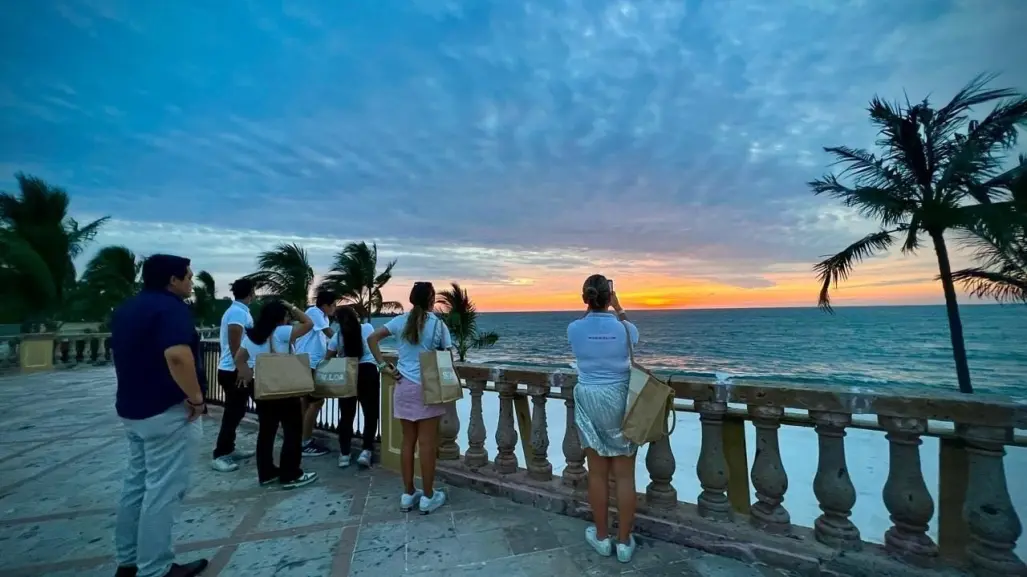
[{"x": 160, "y": 401}]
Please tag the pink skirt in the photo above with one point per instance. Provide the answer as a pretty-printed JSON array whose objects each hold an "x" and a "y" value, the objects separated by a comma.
[{"x": 408, "y": 402}]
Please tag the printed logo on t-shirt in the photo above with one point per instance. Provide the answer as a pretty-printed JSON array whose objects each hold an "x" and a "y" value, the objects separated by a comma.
[{"x": 607, "y": 337}]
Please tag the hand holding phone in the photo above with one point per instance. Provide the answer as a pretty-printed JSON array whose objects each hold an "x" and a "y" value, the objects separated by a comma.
[{"x": 609, "y": 281}]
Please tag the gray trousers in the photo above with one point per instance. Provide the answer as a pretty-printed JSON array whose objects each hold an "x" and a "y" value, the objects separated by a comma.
[{"x": 160, "y": 455}]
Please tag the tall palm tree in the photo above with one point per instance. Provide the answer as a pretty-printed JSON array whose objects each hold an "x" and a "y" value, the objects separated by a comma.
[
  {"x": 457, "y": 310},
  {"x": 354, "y": 277},
  {"x": 928, "y": 180},
  {"x": 204, "y": 303},
  {"x": 38, "y": 217},
  {"x": 110, "y": 277},
  {"x": 1001, "y": 252},
  {"x": 284, "y": 272}
]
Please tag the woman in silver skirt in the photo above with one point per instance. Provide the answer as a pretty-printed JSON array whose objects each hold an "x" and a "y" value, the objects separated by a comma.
[{"x": 600, "y": 342}]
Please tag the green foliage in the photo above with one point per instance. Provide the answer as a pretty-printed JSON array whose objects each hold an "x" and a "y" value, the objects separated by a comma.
[
  {"x": 457, "y": 310},
  {"x": 355, "y": 278},
  {"x": 935, "y": 173},
  {"x": 204, "y": 302},
  {"x": 110, "y": 277},
  {"x": 40, "y": 243},
  {"x": 285, "y": 273},
  {"x": 1000, "y": 246}
]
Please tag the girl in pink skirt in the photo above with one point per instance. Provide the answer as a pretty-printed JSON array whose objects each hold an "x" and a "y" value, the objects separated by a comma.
[{"x": 416, "y": 331}]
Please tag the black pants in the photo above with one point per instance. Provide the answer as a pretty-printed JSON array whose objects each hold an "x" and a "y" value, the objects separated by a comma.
[
  {"x": 368, "y": 395},
  {"x": 289, "y": 414},
  {"x": 235, "y": 409}
]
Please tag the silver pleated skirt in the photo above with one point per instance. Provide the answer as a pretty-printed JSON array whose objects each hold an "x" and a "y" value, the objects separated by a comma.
[{"x": 598, "y": 413}]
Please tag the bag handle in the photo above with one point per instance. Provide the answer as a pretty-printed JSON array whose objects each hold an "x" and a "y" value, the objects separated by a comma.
[
  {"x": 670, "y": 398},
  {"x": 437, "y": 333}
]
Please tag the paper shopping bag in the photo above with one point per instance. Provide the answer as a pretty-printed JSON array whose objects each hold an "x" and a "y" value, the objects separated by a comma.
[
  {"x": 439, "y": 381},
  {"x": 336, "y": 378},
  {"x": 279, "y": 376}
]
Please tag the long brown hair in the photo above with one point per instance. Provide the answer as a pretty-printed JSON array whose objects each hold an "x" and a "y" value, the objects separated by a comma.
[
  {"x": 349, "y": 331},
  {"x": 422, "y": 300}
]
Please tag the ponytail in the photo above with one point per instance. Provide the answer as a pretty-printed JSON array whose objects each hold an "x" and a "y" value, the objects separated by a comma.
[{"x": 416, "y": 320}]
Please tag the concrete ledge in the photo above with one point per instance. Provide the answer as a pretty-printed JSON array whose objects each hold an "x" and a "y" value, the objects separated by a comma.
[{"x": 681, "y": 524}]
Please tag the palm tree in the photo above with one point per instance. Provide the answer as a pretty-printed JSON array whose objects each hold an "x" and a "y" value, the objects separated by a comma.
[
  {"x": 284, "y": 272},
  {"x": 37, "y": 217},
  {"x": 354, "y": 277},
  {"x": 457, "y": 310},
  {"x": 110, "y": 277},
  {"x": 204, "y": 302},
  {"x": 1001, "y": 251},
  {"x": 929, "y": 179}
]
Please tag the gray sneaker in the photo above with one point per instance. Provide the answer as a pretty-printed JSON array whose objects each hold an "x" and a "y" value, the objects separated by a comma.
[
  {"x": 225, "y": 464},
  {"x": 437, "y": 500},
  {"x": 408, "y": 502},
  {"x": 364, "y": 460}
]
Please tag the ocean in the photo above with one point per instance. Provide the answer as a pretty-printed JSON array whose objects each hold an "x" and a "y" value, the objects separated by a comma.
[{"x": 900, "y": 346}]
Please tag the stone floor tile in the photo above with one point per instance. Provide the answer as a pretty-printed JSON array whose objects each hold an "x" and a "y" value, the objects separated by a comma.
[
  {"x": 531, "y": 538},
  {"x": 446, "y": 552},
  {"x": 379, "y": 535},
  {"x": 300, "y": 555},
  {"x": 317, "y": 503},
  {"x": 210, "y": 521},
  {"x": 379, "y": 561},
  {"x": 56, "y": 540}
]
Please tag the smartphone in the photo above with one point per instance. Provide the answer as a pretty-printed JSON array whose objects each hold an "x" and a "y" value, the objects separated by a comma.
[{"x": 610, "y": 281}]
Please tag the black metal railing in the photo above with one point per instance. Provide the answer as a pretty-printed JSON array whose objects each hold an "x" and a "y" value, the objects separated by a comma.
[{"x": 327, "y": 419}]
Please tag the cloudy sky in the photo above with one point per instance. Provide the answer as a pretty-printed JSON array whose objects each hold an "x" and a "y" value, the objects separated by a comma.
[{"x": 514, "y": 146}]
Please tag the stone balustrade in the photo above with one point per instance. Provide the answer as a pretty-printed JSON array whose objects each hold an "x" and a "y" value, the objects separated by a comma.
[
  {"x": 978, "y": 527},
  {"x": 69, "y": 350}
]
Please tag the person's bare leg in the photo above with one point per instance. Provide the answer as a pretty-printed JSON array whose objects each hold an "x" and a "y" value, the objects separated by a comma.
[
  {"x": 406, "y": 455},
  {"x": 310, "y": 411},
  {"x": 428, "y": 445},
  {"x": 627, "y": 498},
  {"x": 599, "y": 491}
]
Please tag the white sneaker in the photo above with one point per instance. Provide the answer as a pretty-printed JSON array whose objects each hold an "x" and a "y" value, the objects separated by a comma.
[
  {"x": 626, "y": 550},
  {"x": 437, "y": 500},
  {"x": 364, "y": 460},
  {"x": 344, "y": 461},
  {"x": 601, "y": 546},
  {"x": 240, "y": 454},
  {"x": 407, "y": 502},
  {"x": 224, "y": 464}
]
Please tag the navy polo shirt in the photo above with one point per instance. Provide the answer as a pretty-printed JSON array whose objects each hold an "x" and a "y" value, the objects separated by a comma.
[{"x": 142, "y": 328}]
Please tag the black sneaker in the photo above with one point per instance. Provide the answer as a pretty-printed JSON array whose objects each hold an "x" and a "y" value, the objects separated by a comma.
[
  {"x": 304, "y": 480},
  {"x": 188, "y": 570},
  {"x": 313, "y": 449}
]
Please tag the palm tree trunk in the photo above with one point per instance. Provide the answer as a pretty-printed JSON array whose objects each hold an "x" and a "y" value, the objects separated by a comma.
[{"x": 952, "y": 308}]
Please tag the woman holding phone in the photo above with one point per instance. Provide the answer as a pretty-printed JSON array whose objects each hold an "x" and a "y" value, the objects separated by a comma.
[{"x": 600, "y": 341}]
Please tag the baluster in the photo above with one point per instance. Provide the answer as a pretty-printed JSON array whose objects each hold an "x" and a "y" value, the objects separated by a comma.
[
  {"x": 65, "y": 349},
  {"x": 506, "y": 434},
  {"x": 768, "y": 472},
  {"x": 449, "y": 430},
  {"x": 905, "y": 492},
  {"x": 80, "y": 349},
  {"x": 832, "y": 484},
  {"x": 990, "y": 517},
  {"x": 574, "y": 474},
  {"x": 94, "y": 350},
  {"x": 660, "y": 462},
  {"x": 712, "y": 466},
  {"x": 107, "y": 349},
  {"x": 539, "y": 468},
  {"x": 476, "y": 455}
]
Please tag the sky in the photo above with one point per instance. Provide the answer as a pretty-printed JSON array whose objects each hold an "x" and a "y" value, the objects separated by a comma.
[{"x": 512, "y": 146}]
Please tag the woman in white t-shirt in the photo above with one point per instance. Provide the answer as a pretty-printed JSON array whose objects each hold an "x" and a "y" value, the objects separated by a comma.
[
  {"x": 416, "y": 331},
  {"x": 273, "y": 333},
  {"x": 351, "y": 341},
  {"x": 600, "y": 342}
]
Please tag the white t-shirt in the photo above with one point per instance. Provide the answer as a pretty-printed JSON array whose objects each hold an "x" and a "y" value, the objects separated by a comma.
[
  {"x": 280, "y": 336},
  {"x": 335, "y": 344},
  {"x": 409, "y": 355},
  {"x": 314, "y": 343},
  {"x": 599, "y": 344},
  {"x": 237, "y": 314}
]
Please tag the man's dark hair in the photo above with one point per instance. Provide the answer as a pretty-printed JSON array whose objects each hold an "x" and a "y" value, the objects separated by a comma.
[
  {"x": 242, "y": 288},
  {"x": 159, "y": 269},
  {"x": 325, "y": 298}
]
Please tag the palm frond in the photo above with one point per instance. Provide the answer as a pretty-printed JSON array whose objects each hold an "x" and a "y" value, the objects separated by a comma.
[
  {"x": 284, "y": 272},
  {"x": 837, "y": 268},
  {"x": 1001, "y": 287}
]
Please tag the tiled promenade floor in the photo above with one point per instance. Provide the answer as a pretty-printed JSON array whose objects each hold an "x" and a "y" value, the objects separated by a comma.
[{"x": 61, "y": 454}]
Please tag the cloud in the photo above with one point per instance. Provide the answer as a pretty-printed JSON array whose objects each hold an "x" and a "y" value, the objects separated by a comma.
[{"x": 479, "y": 138}]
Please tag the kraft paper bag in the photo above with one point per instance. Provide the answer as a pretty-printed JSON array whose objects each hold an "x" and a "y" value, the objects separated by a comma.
[
  {"x": 439, "y": 381},
  {"x": 280, "y": 376},
  {"x": 650, "y": 405},
  {"x": 336, "y": 378}
]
